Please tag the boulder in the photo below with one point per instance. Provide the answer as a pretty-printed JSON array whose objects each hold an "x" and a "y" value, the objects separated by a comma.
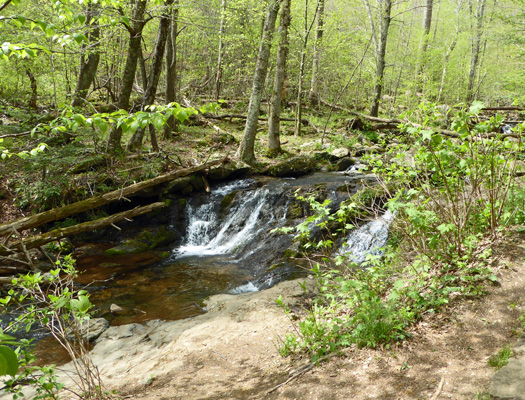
[
  {"x": 232, "y": 169},
  {"x": 340, "y": 152},
  {"x": 343, "y": 164},
  {"x": 294, "y": 167}
]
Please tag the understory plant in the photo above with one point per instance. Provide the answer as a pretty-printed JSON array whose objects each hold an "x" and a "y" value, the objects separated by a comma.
[
  {"x": 449, "y": 194},
  {"x": 51, "y": 301}
]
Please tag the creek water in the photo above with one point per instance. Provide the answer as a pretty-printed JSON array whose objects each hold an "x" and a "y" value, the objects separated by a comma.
[{"x": 227, "y": 247}]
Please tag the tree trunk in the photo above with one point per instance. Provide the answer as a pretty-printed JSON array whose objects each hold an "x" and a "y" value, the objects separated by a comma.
[
  {"x": 88, "y": 69},
  {"x": 427, "y": 22},
  {"x": 386, "y": 9},
  {"x": 135, "y": 142},
  {"x": 274, "y": 142},
  {"x": 218, "y": 77},
  {"x": 34, "y": 88},
  {"x": 128, "y": 76},
  {"x": 246, "y": 148},
  {"x": 476, "y": 44},
  {"x": 449, "y": 52},
  {"x": 314, "y": 85},
  {"x": 171, "y": 68}
]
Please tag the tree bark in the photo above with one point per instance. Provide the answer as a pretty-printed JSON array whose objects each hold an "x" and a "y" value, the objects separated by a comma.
[
  {"x": 476, "y": 44},
  {"x": 135, "y": 142},
  {"x": 218, "y": 76},
  {"x": 59, "y": 213},
  {"x": 386, "y": 9},
  {"x": 313, "y": 96},
  {"x": 88, "y": 69},
  {"x": 128, "y": 76},
  {"x": 171, "y": 68},
  {"x": 246, "y": 148},
  {"x": 34, "y": 89},
  {"x": 450, "y": 49},
  {"x": 427, "y": 22},
  {"x": 60, "y": 233},
  {"x": 274, "y": 142}
]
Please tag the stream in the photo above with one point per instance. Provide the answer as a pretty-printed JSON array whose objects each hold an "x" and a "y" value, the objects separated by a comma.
[{"x": 226, "y": 247}]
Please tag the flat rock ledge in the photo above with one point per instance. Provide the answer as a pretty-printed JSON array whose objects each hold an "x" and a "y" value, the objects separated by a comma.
[
  {"x": 509, "y": 381},
  {"x": 129, "y": 356}
]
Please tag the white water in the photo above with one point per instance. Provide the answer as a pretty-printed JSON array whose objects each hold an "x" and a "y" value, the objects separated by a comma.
[
  {"x": 367, "y": 239},
  {"x": 208, "y": 235}
]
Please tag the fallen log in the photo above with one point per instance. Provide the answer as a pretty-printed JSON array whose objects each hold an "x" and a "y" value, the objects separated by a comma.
[
  {"x": 390, "y": 121},
  {"x": 510, "y": 108},
  {"x": 60, "y": 233},
  {"x": 94, "y": 202},
  {"x": 241, "y": 116}
]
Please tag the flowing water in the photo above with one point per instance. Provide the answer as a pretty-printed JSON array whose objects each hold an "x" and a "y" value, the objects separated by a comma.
[{"x": 227, "y": 247}]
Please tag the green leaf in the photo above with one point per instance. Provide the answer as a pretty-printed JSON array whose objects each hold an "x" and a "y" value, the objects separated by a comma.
[
  {"x": 476, "y": 107},
  {"x": 79, "y": 37},
  {"x": 8, "y": 361},
  {"x": 81, "y": 18}
]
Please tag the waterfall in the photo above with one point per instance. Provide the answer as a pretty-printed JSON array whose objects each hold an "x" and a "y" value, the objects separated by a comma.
[
  {"x": 209, "y": 234},
  {"x": 367, "y": 239}
]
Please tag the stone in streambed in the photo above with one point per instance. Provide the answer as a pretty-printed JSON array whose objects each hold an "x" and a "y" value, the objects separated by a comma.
[{"x": 294, "y": 167}]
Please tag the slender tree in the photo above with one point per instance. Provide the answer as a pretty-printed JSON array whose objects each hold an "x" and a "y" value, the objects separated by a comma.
[
  {"x": 89, "y": 65},
  {"x": 171, "y": 67},
  {"x": 385, "y": 15},
  {"x": 427, "y": 22},
  {"x": 134, "y": 51},
  {"x": 476, "y": 46},
  {"x": 314, "y": 84},
  {"x": 135, "y": 142},
  {"x": 274, "y": 142},
  {"x": 246, "y": 147}
]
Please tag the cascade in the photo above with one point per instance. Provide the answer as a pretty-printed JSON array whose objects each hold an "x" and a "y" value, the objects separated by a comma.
[{"x": 367, "y": 239}]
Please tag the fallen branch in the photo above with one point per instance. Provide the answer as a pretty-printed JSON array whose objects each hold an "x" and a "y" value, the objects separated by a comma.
[
  {"x": 300, "y": 371},
  {"x": 98, "y": 201},
  {"x": 60, "y": 233},
  {"x": 15, "y": 134},
  {"x": 240, "y": 116},
  {"x": 511, "y": 108},
  {"x": 391, "y": 121}
]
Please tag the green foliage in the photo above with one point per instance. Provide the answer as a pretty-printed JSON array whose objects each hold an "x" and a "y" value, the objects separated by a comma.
[
  {"x": 51, "y": 301},
  {"x": 501, "y": 358},
  {"x": 451, "y": 197}
]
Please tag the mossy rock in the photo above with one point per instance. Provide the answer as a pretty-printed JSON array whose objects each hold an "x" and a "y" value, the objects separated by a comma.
[
  {"x": 230, "y": 170},
  {"x": 294, "y": 167},
  {"x": 227, "y": 201},
  {"x": 177, "y": 185},
  {"x": 295, "y": 210},
  {"x": 145, "y": 241},
  {"x": 343, "y": 164}
]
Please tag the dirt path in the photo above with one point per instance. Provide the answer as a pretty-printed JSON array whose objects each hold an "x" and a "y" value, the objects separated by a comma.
[{"x": 230, "y": 353}]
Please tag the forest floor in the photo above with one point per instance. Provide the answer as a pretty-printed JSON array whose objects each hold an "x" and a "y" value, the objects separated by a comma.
[{"x": 233, "y": 352}]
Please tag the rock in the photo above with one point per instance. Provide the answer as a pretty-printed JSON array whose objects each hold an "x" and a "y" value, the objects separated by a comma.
[
  {"x": 294, "y": 167},
  {"x": 146, "y": 240},
  {"x": 340, "y": 153},
  {"x": 178, "y": 185},
  {"x": 343, "y": 164},
  {"x": 115, "y": 309},
  {"x": 508, "y": 382},
  {"x": 91, "y": 329},
  {"x": 232, "y": 169}
]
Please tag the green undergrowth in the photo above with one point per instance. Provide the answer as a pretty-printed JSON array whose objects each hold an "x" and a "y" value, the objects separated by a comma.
[{"x": 451, "y": 197}]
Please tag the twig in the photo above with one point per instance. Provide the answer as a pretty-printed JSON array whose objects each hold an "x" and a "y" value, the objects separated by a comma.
[
  {"x": 300, "y": 371},
  {"x": 439, "y": 388}
]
